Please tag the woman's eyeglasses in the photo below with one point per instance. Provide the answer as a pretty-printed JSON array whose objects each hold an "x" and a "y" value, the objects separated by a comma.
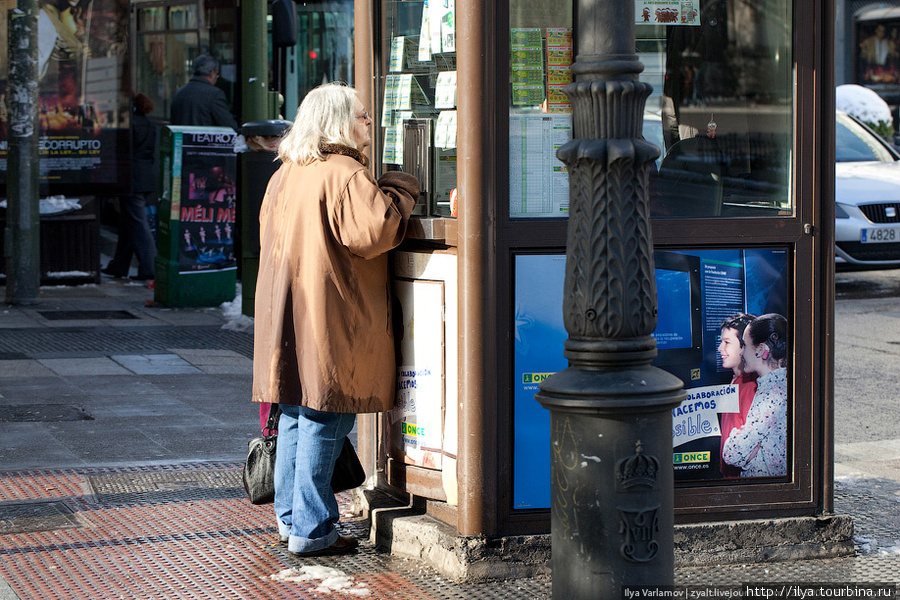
[{"x": 364, "y": 116}]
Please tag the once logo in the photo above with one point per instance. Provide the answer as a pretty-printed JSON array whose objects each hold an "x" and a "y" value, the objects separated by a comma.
[
  {"x": 411, "y": 429},
  {"x": 690, "y": 457},
  {"x": 534, "y": 377}
]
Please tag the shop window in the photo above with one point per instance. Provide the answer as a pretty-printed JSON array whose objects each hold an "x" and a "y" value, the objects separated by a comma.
[
  {"x": 325, "y": 46},
  {"x": 540, "y": 119},
  {"x": 418, "y": 116},
  {"x": 183, "y": 17},
  {"x": 170, "y": 36},
  {"x": 721, "y": 107}
]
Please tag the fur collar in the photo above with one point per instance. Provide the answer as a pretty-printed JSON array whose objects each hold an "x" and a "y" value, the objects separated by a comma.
[{"x": 344, "y": 151}]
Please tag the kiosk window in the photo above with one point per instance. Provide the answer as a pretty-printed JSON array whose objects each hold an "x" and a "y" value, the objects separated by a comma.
[
  {"x": 721, "y": 107},
  {"x": 418, "y": 116},
  {"x": 540, "y": 119}
]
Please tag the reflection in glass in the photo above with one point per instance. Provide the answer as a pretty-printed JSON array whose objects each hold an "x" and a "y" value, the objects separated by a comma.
[
  {"x": 325, "y": 44},
  {"x": 183, "y": 17},
  {"x": 163, "y": 64},
  {"x": 722, "y": 101},
  {"x": 721, "y": 108},
  {"x": 169, "y": 37}
]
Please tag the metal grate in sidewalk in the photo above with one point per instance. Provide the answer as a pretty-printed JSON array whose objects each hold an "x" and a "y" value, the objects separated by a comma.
[{"x": 49, "y": 343}]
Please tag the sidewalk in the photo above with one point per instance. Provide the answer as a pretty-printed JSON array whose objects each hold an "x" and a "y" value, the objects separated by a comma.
[{"x": 124, "y": 427}]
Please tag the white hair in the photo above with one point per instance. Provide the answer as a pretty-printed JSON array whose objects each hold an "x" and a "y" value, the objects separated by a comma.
[{"x": 325, "y": 116}]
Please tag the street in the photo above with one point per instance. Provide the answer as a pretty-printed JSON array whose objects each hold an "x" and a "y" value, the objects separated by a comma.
[
  {"x": 867, "y": 352},
  {"x": 867, "y": 413}
]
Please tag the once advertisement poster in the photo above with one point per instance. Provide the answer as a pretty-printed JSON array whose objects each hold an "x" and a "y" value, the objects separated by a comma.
[
  {"x": 417, "y": 421},
  {"x": 83, "y": 105},
  {"x": 722, "y": 329}
]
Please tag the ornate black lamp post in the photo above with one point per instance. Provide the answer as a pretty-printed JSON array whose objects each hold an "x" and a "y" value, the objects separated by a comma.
[{"x": 611, "y": 422}]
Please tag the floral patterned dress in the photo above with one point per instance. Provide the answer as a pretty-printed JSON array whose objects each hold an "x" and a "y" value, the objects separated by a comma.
[{"x": 766, "y": 429}]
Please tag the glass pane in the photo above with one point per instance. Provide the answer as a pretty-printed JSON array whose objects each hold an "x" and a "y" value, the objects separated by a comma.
[
  {"x": 183, "y": 17},
  {"x": 721, "y": 108},
  {"x": 418, "y": 117},
  {"x": 221, "y": 19},
  {"x": 163, "y": 64},
  {"x": 540, "y": 119},
  {"x": 152, "y": 19},
  {"x": 325, "y": 44}
]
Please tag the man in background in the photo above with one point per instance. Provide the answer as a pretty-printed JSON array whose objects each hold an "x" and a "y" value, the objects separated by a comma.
[{"x": 199, "y": 101}]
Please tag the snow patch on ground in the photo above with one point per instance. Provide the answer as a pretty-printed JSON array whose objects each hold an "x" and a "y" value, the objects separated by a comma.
[
  {"x": 235, "y": 320},
  {"x": 895, "y": 549},
  {"x": 865, "y": 545},
  {"x": 61, "y": 274},
  {"x": 330, "y": 580}
]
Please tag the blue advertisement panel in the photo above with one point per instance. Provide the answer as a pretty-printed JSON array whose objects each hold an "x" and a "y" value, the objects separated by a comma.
[{"x": 721, "y": 329}]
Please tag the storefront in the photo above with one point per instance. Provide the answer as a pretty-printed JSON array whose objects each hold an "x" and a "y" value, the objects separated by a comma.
[
  {"x": 94, "y": 54},
  {"x": 83, "y": 123},
  {"x": 469, "y": 98}
]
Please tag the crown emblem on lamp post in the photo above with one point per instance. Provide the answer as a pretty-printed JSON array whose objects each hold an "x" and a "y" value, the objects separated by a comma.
[{"x": 637, "y": 470}]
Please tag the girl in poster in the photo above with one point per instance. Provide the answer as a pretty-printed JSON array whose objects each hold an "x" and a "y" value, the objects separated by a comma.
[
  {"x": 759, "y": 448},
  {"x": 731, "y": 350}
]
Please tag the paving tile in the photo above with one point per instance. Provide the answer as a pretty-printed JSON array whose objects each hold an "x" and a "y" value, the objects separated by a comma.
[
  {"x": 155, "y": 364},
  {"x": 217, "y": 362},
  {"x": 100, "y": 365},
  {"x": 23, "y": 368}
]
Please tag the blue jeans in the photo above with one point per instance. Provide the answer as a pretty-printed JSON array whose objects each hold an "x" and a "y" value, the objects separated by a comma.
[{"x": 309, "y": 443}]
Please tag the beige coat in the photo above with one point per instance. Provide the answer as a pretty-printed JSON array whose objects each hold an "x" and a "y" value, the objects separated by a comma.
[{"x": 322, "y": 327}]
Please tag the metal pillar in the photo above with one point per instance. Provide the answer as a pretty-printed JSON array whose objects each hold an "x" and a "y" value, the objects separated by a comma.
[
  {"x": 23, "y": 219},
  {"x": 612, "y": 515},
  {"x": 254, "y": 73},
  {"x": 254, "y": 62}
]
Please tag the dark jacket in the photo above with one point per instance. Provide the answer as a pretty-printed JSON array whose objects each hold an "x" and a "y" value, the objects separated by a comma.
[
  {"x": 198, "y": 102},
  {"x": 143, "y": 140}
]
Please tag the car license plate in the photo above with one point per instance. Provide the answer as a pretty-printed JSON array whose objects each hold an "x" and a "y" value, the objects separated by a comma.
[{"x": 880, "y": 235}]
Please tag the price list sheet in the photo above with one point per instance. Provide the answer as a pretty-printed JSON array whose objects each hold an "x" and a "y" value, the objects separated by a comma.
[{"x": 538, "y": 181}]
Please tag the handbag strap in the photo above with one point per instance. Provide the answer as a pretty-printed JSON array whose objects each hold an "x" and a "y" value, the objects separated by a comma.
[{"x": 272, "y": 422}]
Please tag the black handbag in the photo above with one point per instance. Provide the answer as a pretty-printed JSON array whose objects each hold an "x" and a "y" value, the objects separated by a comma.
[
  {"x": 259, "y": 470},
  {"x": 348, "y": 471}
]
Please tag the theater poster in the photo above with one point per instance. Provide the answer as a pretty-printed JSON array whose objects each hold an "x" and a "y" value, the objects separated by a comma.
[
  {"x": 84, "y": 107},
  {"x": 207, "y": 206},
  {"x": 698, "y": 290}
]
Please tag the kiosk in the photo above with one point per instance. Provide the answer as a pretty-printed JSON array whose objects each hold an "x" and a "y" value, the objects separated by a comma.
[{"x": 469, "y": 98}]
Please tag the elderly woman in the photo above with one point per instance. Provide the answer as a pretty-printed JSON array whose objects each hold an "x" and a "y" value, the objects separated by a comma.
[
  {"x": 759, "y": 447},
  {"x": 323, "y": 345}
]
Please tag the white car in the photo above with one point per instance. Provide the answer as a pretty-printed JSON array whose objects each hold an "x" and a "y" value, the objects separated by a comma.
[{"x": 867, "y": 197}]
